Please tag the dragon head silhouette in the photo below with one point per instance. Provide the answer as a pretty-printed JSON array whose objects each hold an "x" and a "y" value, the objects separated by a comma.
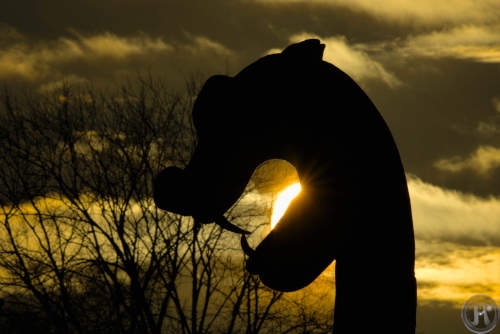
[{"x": 354, "y": 206}]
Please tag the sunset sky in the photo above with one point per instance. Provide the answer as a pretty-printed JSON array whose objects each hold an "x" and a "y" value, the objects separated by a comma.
[{"x": 431, "y": 67}]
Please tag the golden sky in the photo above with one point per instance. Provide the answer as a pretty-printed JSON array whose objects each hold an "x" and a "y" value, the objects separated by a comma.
[{"x": 431, "y": 68}]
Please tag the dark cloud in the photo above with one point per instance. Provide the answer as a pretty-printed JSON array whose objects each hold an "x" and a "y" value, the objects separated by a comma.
[
  {"x": 435, "y": 115},
  {"x": 242, "y": 25},
  {"x": 433, "y": 74},
  {"x": 436, "y": 73}
]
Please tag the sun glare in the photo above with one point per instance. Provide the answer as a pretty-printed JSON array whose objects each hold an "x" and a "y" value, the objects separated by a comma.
[{"x": 284, "y": 198}]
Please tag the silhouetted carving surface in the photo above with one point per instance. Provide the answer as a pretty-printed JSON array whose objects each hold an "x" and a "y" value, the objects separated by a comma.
[{"x": 354, "y": 206}]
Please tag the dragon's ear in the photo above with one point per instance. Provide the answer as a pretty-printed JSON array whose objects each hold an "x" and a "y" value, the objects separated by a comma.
[{"x": 309, "y": 50}]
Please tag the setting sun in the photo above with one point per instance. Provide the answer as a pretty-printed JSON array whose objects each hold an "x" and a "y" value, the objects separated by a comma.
[{"x": 284, "y": 198}]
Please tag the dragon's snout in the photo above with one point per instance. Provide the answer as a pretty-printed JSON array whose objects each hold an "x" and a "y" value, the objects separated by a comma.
[{"x": 171, "y": 191}]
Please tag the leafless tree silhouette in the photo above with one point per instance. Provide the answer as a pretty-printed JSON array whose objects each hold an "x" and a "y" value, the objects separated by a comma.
[{"x": 82, "y": 245}]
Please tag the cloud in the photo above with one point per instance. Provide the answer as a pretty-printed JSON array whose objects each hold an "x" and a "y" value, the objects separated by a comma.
[
  {"x": 59, "y": 84},
  {"x": 461, "y": 29},
  {"x": 487, "y": 129},
  {"x": 205, "y": 44},
  {"x": 350, "y": 58},
  {"x": 46, "y": 61},
  {"x": 476, "y": 42},
  {"x": 465, "y": 275},
  {"x": 113, "y": 46},
  {"x": 37, "y": 60},
  {"x": 9, "y": 34},
  {"x": 482, "y": 161},
  {"x": 457, "y": 243},
  {"x": 445, "y": 215},
  {"x": 496, "y": 103},
  {"x": 422, "y": 12}
]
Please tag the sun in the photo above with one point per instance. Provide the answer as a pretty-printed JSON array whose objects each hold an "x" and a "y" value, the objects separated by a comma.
[{"x": 282, "y": 202}]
